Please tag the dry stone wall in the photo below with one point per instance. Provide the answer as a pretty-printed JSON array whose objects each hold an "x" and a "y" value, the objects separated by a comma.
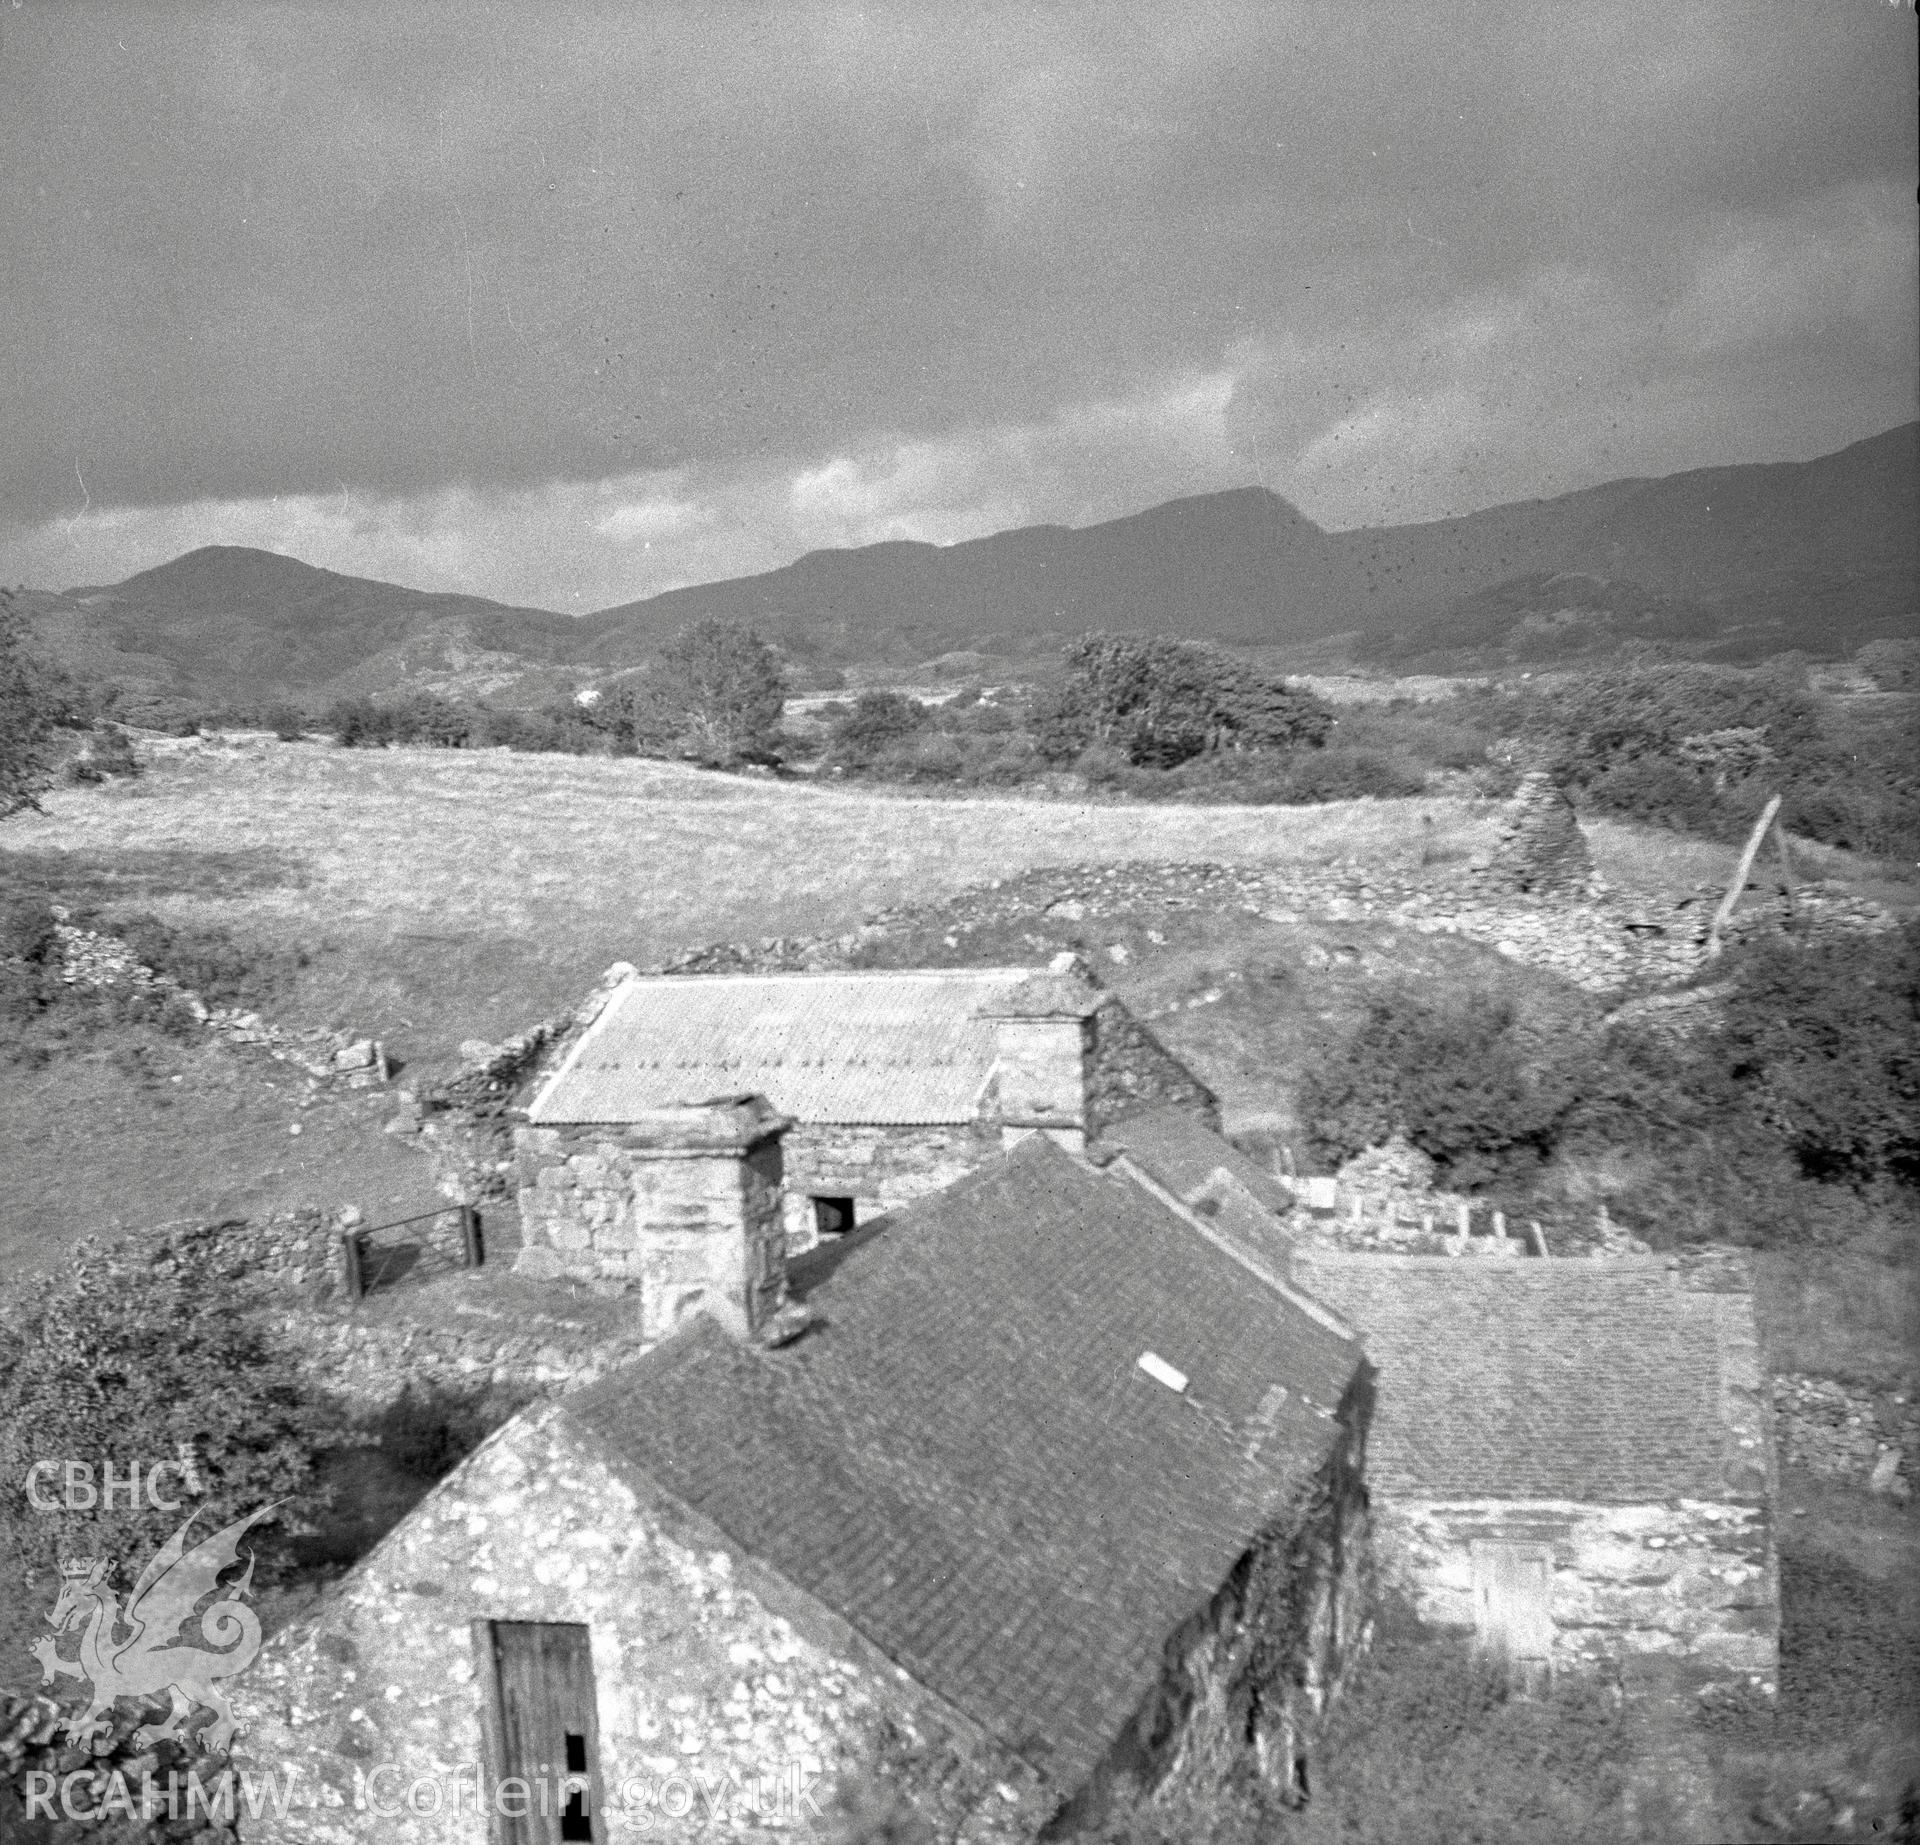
[
  {"x": 91, "y": 958},
  {"x": 1841, "y": 1431},
  {"x": 1541, "y": 850}
]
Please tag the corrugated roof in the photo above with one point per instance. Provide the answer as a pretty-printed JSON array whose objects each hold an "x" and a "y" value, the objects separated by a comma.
[
  {"x": 965, "y": 1460},
  {"x": 1595, "y": 1381},
  {"x": 834, "y": 1047}
]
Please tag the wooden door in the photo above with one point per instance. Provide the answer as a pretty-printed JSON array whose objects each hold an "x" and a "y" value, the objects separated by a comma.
[
  {"x": 542, "y": 1729},
  {"x": 1513, "y": 1606}
]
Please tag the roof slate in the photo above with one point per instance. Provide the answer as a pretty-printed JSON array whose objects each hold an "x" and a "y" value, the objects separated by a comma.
[
  {"x": 1591, "y": 1381},
  {"x": 845, "y": 1048},
  {"x": 964, "y": 1460},
  {"x": 1184, "y": 1154}
]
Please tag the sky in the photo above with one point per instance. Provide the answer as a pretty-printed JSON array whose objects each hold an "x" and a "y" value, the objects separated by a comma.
[{"x": 572, "y": 304}]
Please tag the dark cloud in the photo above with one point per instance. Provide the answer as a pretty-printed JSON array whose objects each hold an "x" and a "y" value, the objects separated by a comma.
[{"x": 525, "y": 267}]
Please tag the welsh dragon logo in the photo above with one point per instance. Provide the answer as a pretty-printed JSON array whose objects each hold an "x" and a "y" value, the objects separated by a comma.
[{"x": 140, "y": 1650}]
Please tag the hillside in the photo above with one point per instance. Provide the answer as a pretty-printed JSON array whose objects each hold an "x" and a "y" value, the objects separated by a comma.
[
  {"x": 230, "y": 623},
  {"x": 1727, "y": 563}
]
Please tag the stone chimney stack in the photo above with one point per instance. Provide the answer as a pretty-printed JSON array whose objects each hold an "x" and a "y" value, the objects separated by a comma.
[
  {"x": 1043, "y": 1045},
  {"x": 681, "y": 1206}
]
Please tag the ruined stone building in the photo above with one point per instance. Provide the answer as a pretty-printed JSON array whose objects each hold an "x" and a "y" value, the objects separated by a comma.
[
  {"x": 1032, "y": 1498},
  {"x": 895, "y": 1083},
  {"x": 1574, "y": 1458}
]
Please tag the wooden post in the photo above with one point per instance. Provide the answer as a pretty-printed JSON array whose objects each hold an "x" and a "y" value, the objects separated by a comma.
[
  {"x": 1786, "y": 867},
  {"x": 1724, "y": 914},
  {"x": 470, "y": 1236},
  {"x": 354, "y": 1262}
]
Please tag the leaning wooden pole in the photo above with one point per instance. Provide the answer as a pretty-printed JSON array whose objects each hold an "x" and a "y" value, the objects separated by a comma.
[{"x": 1724, "y": 914}]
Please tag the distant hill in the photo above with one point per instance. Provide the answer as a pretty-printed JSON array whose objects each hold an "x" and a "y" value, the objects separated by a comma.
[
  {"x": 1822, "y": 554},
  {"x": 230, "y": 624},
  {"x": 1723, "y": 562}
]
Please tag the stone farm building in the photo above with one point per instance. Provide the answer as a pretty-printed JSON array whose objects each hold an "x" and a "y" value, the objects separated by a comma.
[
  {"x": 1033, "y": 1496},
  {"x": 1571, "y": 1457},
  {"x": 895, "y": 1083}
]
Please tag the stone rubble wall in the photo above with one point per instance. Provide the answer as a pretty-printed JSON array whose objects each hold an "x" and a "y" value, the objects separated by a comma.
[
  {"x": 492, "y": 1358},
  {"x": 1129, "y": 1071},
  {"x": 703, "y": 1670},
  {"x": 90, "y": 958},
  {"x": 1385, "y": 1200},
  {"x": 1603, "y": 941},
  {"x": 1845, "y": 1432},
  {"x": 1541, "y": 848}
]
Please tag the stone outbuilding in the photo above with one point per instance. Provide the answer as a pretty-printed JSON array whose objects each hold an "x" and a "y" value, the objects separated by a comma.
[
  {"x": 1572, "y": 1458},
  {"x": 895, "y": 1083},
  {"x": 1033, "y": 1498}
]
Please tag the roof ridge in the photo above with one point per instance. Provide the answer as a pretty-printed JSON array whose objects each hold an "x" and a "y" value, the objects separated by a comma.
[{"x": 798, "y": 974}]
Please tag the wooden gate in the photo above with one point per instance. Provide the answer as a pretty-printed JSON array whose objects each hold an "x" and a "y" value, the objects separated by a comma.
[
  {"x": 1513, "y": 1607},
  {"x": 541, "y": 1729}
]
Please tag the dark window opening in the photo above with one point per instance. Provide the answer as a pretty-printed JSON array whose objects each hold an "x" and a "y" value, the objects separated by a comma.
[
  {"x": 832, "y": 1216},
  {"x": 1300, "y": 1791},
  {"x": 576, "y": 1754},
  {"x": 574, "y": 1823}
]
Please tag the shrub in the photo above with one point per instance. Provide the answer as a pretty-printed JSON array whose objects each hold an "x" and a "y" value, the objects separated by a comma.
[
  {"x": 875, "y": 722},
  {"x": 107, "y": 751},
  {"x": 1428, "y": 1748},
  {"x": 138, "y": 1357},
  {"x": 1450, "y": 1074},
  {"x": 1160, "y": 702},
  {"x": 27, "y": 715},
  {"x": 1824, "y": 1040},
  {"x": 419, "y": 717}
]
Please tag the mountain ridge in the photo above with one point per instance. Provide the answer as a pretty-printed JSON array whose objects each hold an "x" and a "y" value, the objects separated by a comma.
[{"x": 1734, "y": 561}]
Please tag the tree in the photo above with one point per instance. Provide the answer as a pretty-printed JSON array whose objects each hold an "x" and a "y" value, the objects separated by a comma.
[
  {"x": 142, "y": 1358},
  {"x": 1161, "y": 702},
  {"x": 875, "y": 720},
  {"x": 28, "y": 710},
  {"x": 719, "y": 688}
]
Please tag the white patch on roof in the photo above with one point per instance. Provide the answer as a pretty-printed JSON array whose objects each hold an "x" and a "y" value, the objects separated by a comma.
[
  {"x": 1161, "y": 1372},
  {"x": 854, "y": 1048}
]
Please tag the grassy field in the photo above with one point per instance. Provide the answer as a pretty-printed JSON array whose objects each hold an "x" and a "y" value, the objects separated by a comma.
[{"x": 448, "y": 895}]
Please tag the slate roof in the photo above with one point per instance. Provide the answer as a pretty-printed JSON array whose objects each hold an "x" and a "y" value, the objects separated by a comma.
[
  {"x": 1188, "y": 1158},
  {"x": 1593, "y": 1381},
  {"x": 964, "y": 1459},
  {"x": 911, "y": 1047},
  {"x": 1184, "y": 1154}
]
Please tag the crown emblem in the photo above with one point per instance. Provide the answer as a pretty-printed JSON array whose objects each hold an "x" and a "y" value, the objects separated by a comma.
[{"x": 76, "y": 1567}]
